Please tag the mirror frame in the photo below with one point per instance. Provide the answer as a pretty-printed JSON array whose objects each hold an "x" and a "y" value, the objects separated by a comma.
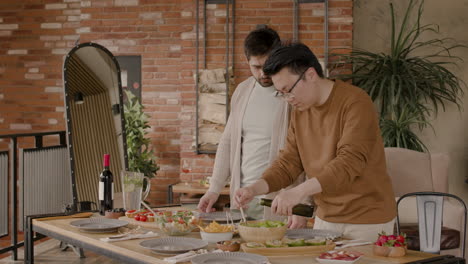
[{"x": 67, "y": 99}]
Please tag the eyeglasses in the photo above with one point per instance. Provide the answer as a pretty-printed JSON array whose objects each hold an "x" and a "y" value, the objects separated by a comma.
[{"x": 288, "y": 94}]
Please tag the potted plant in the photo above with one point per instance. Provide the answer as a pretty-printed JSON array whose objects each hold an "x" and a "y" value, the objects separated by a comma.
[
  {"x": 410, "y": 82},
  {"x": 141, "y": 156}
]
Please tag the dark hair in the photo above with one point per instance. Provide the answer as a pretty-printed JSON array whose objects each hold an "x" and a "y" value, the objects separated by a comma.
[
  {"x": 296, "y": 56},
  {"x": 260, "y": 42}
]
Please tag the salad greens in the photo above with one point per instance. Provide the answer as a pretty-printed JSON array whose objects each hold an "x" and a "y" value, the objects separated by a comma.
[{"x": 266, "y": 223}]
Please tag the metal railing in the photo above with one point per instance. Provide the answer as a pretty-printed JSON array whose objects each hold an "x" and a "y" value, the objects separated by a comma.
[{"x": 13, "y": 203}]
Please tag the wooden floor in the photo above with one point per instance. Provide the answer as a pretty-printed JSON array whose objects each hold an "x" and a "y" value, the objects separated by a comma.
[{"x": 50, "y": 252}]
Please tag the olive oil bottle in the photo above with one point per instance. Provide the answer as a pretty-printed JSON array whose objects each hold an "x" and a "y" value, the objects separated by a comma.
[{"x": 298, "y": 209}]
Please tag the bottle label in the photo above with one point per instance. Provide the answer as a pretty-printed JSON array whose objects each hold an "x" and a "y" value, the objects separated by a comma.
[
  {"x": 112, "y": 191},
  {"x": 101, "y": 191}
]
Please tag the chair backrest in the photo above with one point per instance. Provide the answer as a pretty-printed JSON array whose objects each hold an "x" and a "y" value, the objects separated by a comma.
[
  {"x": 430, "y": 210},
  {"x": 413, "y": 171}
]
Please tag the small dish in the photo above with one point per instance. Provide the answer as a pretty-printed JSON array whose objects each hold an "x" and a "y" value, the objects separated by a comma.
[
  {"x": 113, "y": 215},
  {"x": 339, "y": 257},
  {"x": 215, "y": 237},
  {"x": 393, "y": 252},
  {"x": 228, "y": 245},
  {"x": 336, "y": 261}
]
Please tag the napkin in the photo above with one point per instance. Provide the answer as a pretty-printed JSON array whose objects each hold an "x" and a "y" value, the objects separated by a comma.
[{"x": 130, "y": 236}]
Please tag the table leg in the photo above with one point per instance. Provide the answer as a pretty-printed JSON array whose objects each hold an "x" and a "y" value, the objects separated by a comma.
[{"x": 28, "y": 241}]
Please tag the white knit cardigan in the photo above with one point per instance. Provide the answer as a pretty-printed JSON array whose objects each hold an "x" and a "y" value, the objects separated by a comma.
[{"x": 228, "y": 155}]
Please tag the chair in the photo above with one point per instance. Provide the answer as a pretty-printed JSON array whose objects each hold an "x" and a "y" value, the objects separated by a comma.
[
  {"x": 413, "y": 171},
  {"x": 430, "y": 207}
]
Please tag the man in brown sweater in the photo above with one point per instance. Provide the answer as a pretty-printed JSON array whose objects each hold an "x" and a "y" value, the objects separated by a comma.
[{"x": 334, "y": 137}]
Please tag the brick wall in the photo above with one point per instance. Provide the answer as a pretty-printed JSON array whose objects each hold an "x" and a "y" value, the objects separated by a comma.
[{"x": 36, "y": 34}]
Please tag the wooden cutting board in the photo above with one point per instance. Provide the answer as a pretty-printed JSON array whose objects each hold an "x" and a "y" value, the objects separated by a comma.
[
  {"x": 78, "y": 215},
  {"x": 288, "y": 251}
]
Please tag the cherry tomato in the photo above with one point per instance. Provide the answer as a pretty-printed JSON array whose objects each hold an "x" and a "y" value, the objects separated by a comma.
[{"x": 137, "y": 217}]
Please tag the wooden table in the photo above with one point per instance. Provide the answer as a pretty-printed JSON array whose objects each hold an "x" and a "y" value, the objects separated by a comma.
[{"x": 130, "y": 252}]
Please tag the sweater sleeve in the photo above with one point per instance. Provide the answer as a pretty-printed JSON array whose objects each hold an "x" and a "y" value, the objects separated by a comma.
[
  {"x": 360, "y": 132},
  {"x": 287, "y": 166},
  {"x": 222, "y": 167}
]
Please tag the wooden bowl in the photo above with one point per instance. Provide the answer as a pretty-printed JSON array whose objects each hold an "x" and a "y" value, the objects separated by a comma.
[
  {"x": 229, "y": 245},
  {"x": 113, "y": 215},
  {"x": 393, "y": 252},
  {"x": 261, "y": 234}
]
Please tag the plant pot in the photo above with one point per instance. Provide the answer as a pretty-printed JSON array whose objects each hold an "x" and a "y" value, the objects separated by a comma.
[{"x": 393, "y": 252}]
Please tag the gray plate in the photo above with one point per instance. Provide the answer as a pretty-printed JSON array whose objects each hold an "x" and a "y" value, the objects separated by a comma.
[
  {"x": 220, "y": 216},
  {"x": 173, "y": 245},
  {"x": 98, "y": 225},
  {"x": 309, "y": 233},
  {"x": 229, "y": 257}
]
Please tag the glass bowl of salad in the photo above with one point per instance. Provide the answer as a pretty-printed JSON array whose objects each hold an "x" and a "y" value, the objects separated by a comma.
[{"x": 176, "y": 223}]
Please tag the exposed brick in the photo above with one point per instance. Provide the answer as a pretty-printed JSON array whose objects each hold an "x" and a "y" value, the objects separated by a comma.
[
  {"x": 126, "y": 2},
  {"x": 52, "y": 121},
  {"x": 8, "y": 26},
  {"x": 83, "y": 30},
  {"x": 186, "y": 14},
  {"x": 60, "y": 51},
  {"x": 55, "y": 6},
  {"x": 20, "y": 126},
  {"x": 73, "y": 18},
  {"x": 53, "y": 89},
  {"x": 344, "y": 20},
  {"x": 153, "y": 15},
  {"x": 17, "y": 52},
  {"x": 51, "y": 25}
]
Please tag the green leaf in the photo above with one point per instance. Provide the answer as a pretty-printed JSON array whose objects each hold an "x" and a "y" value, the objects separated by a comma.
[{"x": 141, "y": 156}]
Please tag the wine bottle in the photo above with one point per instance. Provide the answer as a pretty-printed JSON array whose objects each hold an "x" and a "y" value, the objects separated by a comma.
[
  {"x": 298, "y": 209},
  {"x": 106, "y": 187}
]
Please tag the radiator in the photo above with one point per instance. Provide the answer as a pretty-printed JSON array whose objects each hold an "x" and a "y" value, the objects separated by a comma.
[
  {"x": 45, "y": 181},
  {"x": 3, "y": 193}
]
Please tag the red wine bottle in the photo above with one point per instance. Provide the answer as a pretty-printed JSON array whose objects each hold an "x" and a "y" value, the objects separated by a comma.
[{"x": 106, "y": 187}]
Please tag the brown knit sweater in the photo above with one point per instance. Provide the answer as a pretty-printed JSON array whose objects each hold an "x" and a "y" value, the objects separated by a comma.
[{"x": 340, "y": 144}]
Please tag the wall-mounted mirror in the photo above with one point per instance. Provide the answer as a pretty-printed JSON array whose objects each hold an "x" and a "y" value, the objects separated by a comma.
[{"x": 95, "y": 123}]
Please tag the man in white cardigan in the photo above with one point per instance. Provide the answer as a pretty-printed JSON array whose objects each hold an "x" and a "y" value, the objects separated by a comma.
[{"x": 255, "y": 132}]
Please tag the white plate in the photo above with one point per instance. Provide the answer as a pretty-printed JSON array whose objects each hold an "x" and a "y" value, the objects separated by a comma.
[
  {"x": 98, "y": 225},
  {"x": 173, "y": 245},
  {"x": 309, "y": 233},
  {"x": 220, "y": 216},
  {"x": 335, "y": 261},
  {"x": 229, "y": 257}
]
